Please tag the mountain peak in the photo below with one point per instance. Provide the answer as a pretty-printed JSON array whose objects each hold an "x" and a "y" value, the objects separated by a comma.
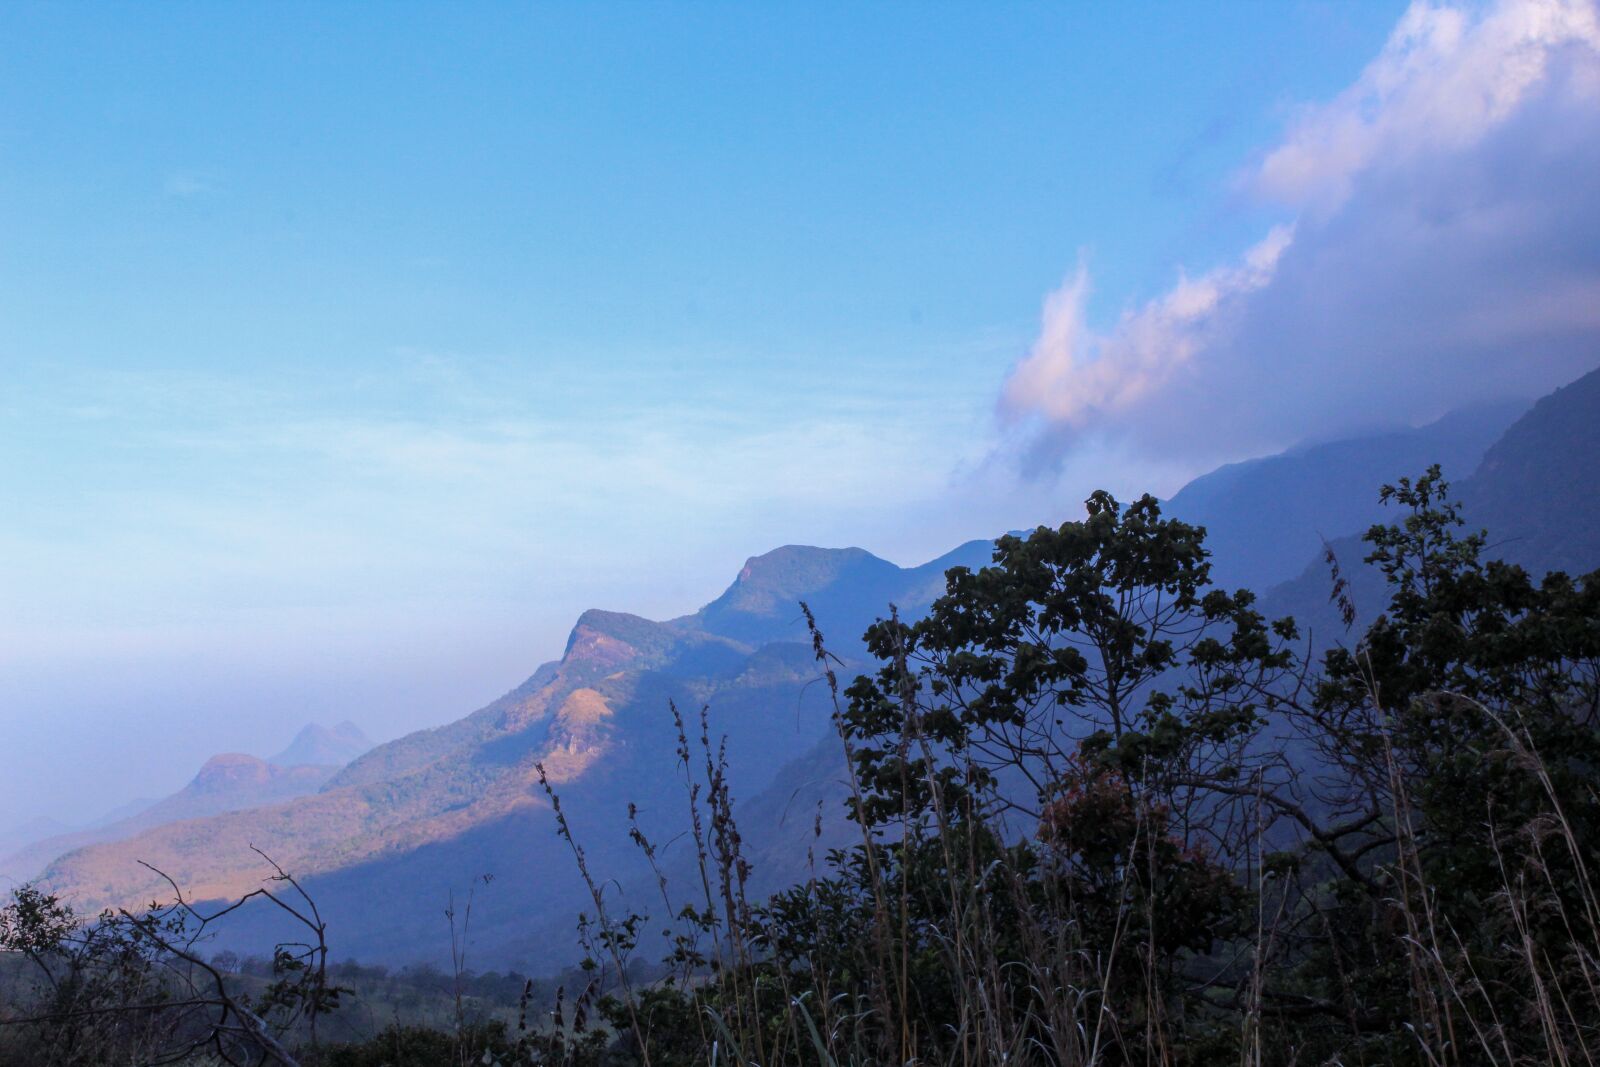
[
  {"x": 322, "y": 746},
  {"x": 801, "y": 568},
  {"x": 774, "y": 581},
  {"x": 230, "y": 770},
  {"x": 609, "y": 640}
]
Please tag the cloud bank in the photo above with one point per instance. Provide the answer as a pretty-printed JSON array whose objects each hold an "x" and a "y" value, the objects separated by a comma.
[{"x": 1442, "y": 248}]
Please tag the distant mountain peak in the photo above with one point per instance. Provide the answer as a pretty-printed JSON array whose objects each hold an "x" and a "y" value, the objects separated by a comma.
[
  {"x": 798, "y": 568},
  {"x": 229, "y": 767},
  {"x": 323, "y": 746},
  {"x": 762, "y": 604},
  {"x": 608, "y": 640},
  {"x": 786, "y": 556},
  {"x": 231, "y": 772}
]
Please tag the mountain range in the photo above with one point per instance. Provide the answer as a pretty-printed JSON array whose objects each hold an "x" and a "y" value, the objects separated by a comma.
[
  {"x": 386, "y": 842},
  {"x": 227, "y": 782}
]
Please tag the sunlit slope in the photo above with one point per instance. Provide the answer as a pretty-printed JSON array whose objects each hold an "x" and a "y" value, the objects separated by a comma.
[
  {"x": 229, "y": 782},
  {"x": 439, "y": 808}
]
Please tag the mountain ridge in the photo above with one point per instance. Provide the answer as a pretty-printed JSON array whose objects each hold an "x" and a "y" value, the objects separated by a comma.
[
  {"x": 1318, "y": 491},
  {"x": 598, "y": 715},
  {"x": 227, "y": 782},
  {"x": 1536, "y": 490}
]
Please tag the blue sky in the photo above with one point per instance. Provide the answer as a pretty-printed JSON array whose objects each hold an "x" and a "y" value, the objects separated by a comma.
[{"x": 344, "y": 359}]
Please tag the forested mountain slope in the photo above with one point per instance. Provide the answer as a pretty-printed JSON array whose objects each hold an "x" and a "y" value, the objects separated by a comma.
[
  {"x": 1265, "y": 517},
  {"x": 1536, "y": 491}
]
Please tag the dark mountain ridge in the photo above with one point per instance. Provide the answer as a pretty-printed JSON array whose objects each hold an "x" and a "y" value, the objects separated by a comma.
[
  {"x": 1536, "y": 491},
  {"x": 1265, "y": 518}
]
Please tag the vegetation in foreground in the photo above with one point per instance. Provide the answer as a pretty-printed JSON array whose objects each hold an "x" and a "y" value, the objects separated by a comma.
[{"x": 1106, "y": 813}]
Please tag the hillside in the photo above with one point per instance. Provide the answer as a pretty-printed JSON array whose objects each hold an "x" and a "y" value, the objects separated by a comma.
[
  {"x": 389, "y": 837},
  {"x": 229, "y": 782},
  {"x": 20, "y": 835},
  {"x": 1536, "y": 491},
  {"x": 1538, "y": 488},
  {"x": 1265, "y": 517}
]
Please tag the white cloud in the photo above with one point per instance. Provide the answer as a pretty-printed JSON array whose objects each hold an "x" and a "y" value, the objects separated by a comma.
[
  {"x": 1072, "y": 376},
  {"x": 1442, "y": 82},
  {"x": 1447, "y": 250}
]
